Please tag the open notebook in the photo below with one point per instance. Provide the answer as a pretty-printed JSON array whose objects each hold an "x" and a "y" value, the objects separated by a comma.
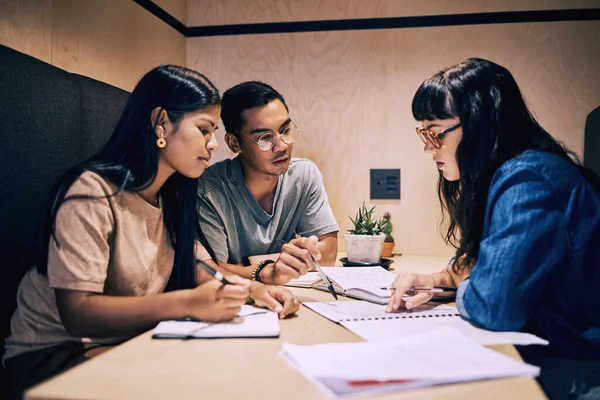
[
  {"x": 251, "y": 322},
  {"x": 371, "y": 322},
  {"x": 363, "y": 283},
  {"x": 305, "y": 281},
  {"x": 430, "y": 358}
]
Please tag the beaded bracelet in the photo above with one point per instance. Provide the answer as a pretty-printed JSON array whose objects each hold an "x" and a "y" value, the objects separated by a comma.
[{"x": 258, "y": 268}]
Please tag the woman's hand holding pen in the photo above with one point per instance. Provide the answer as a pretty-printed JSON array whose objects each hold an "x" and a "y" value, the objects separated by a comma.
[
  {"x": 213, "y": 301},
  {"x": 443, "y": 281},
  {"x": 403, "y": 283}
]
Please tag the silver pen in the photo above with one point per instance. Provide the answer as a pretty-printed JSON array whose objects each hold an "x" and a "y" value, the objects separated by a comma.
[
  {"x": 325, "y": 279},
  {"x": 214, "y": 273}
]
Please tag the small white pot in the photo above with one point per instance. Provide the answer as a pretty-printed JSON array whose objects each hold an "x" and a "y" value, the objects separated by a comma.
[{"x": 364, "y": 248}]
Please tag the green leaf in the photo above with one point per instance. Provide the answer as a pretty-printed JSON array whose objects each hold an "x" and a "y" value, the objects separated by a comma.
[{"x": 365, "y": 223}]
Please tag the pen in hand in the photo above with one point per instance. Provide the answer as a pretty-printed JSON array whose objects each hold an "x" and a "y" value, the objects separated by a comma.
[
  {"x": 325, "y": 279},
  {"x": 215, "y": 274}
]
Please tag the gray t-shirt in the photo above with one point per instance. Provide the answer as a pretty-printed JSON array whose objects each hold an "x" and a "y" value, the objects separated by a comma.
[{"x": 235, "y": 224}]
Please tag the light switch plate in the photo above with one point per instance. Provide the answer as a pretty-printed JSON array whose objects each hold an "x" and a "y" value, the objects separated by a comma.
[{"x": 385, "y": 184}]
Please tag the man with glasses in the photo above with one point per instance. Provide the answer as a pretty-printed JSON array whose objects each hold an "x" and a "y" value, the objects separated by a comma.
[{"x": 254, "y": 206}]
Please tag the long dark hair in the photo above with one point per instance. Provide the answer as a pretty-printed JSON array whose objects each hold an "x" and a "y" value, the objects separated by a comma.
[
  {"x": 496, "y": 126},
  {"x": 130, "y": 161}
]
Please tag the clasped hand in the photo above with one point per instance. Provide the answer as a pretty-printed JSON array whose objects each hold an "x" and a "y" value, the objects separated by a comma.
[{"x": 295, "y": 260}]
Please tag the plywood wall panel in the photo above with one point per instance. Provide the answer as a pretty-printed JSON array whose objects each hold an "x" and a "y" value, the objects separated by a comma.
[
  {"x": 26, "y": 25},
  {"x": 350, "y": 92},
  {"x": 112, "y": 41},
  {"x": 224, "y": 12}
]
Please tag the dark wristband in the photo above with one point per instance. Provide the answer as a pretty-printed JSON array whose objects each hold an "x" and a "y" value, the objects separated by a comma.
[{"x": 261, "y": 265}]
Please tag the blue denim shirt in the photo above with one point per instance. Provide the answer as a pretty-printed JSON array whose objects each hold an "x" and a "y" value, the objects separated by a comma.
[{"x": 538, "y": 269}]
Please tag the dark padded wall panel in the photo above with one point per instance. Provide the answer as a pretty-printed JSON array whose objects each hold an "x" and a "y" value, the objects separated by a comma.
[
  {"x": 101, "y": 106},
  {"x": 591, "y": 154},
  {"x": 50, "y": 120}
]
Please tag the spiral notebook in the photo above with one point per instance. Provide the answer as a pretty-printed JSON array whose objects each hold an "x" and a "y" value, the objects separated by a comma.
[{"x": 371, "y": 322}]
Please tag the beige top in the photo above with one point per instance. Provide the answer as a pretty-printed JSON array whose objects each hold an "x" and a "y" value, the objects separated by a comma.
[{"x": 116, "y": 245}]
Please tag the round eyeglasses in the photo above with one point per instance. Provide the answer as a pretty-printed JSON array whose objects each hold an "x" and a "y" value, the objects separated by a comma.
[
  {"x": 267, "y": 141},
  {"x": 434, "y": 138}
]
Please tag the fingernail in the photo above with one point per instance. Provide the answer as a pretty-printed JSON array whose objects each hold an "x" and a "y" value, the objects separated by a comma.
[
  {"x": 395, "y": 306},
  {"x": 389, "y": 309},
  {"x": 409, "y": 305},
  {"x": 318, "y": 256},
  {"x": 278, "y": 308}
]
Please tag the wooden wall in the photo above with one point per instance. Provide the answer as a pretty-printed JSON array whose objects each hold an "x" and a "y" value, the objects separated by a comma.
[
  {"x": 114, "y": 41},
  {"x": 223, "y": 12},
  {"x": 350, "y": 91}
]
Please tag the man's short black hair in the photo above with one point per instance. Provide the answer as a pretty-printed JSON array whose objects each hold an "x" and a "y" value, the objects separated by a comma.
[{"x": 242, "y": 97}]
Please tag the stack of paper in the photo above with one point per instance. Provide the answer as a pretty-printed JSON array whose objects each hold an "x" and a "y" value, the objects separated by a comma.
[{"x": 415, "y": 361}]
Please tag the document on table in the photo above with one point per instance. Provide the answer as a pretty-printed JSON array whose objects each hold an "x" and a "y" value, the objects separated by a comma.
[
  {"x": 371, "y": 322},
  {"x": 440, "y": 356}
]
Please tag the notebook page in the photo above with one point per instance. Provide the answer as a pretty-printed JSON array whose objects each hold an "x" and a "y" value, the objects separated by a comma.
[
  {"x": 369, "y": 278},
  {"x": 397, "y": 328},
  {"x": 364, "y": 311},
  {"x": 441, "y": 355},
  {"x": 250, "y": 322},
  {"x": 305, "y": 280},
  {"x": 375, "y": 294}
]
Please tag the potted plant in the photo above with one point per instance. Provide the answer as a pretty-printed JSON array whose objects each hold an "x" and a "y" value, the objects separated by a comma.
[
  {"x": 386, "y": 227},
  {"x": 365, "y": 241}
]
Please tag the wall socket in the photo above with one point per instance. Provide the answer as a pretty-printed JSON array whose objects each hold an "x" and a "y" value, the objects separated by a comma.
[{"x": 385, "y": 184}]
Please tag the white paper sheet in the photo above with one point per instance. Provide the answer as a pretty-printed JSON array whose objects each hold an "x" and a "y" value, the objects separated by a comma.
[{"x": 439, "y": 356}]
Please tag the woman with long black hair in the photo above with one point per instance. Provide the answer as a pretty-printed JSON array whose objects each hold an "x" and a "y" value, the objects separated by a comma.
[
  {"x": 524, "y": 217},
  {"x": 119, "y": 240}
]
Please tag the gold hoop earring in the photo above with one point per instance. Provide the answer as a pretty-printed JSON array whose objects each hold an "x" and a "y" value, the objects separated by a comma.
[{"x": 161, "y": 142}]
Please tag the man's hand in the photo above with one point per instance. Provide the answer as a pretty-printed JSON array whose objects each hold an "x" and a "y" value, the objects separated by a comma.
[
  {"x": 277, "y": 299},
  {"x": 294, "y": 260}
]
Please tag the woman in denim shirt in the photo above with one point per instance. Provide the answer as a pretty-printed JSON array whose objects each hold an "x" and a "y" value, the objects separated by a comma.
[{"x": 524, "y": 217}]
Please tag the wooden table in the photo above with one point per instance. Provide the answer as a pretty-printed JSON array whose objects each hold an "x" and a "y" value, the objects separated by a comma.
[{"x": 143, "y": 368}]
